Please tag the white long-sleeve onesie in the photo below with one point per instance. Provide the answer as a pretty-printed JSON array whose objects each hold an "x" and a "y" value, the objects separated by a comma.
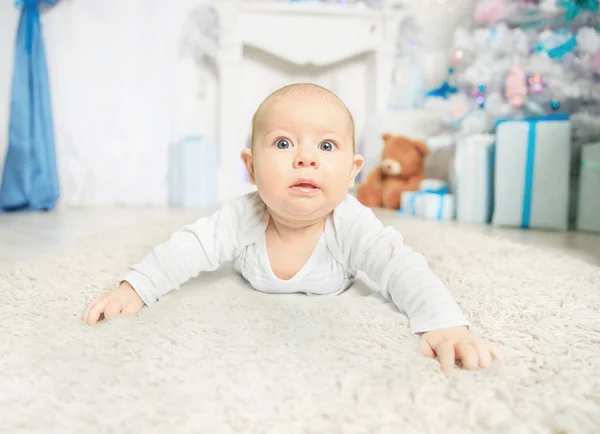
[{"x": 354, "y": 240}]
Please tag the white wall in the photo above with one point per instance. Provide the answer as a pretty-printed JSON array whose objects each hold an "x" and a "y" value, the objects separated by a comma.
[{"x": 118, "y": 82}]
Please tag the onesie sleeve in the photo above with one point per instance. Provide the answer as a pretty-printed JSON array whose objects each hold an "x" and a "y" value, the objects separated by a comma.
[
  {"x": 202, "y": 246},
  {"x": 401, "y": 273}
]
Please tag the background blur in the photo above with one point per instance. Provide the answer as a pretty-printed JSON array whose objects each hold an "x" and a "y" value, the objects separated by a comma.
[{"x": 150, "y": 101}]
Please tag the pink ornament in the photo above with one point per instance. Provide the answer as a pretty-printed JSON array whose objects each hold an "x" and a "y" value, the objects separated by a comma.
[
  {"x": 516, "y": 87},
  {"x": 489, "y": 12}
]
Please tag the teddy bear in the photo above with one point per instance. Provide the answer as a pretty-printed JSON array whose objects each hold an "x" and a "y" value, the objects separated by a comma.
[{"x": 402, "y": 168}]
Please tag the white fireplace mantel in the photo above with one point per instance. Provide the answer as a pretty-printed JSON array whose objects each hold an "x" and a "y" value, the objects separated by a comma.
[{"x": 318, "y": 35}]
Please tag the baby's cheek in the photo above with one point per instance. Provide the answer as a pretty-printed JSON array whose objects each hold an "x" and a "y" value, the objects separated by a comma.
[
  {"x": 264, "y": 167},
  {"x": 337, "y": 169},
  {"x": 272, "y": 172}
]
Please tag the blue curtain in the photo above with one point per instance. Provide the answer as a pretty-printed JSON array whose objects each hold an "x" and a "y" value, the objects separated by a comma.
[{"x": 30, "y": 179}]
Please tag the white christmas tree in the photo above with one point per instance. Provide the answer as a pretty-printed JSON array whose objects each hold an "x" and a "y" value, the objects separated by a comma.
[{"x": 525, "y": 59}]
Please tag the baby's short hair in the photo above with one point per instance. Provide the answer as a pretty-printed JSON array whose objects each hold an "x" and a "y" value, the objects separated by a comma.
[{"x": 302, "y": 89}]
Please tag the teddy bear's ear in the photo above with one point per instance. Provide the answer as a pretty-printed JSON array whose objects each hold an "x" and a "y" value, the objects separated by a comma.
[
  {"x": 421, "y": 147},
  {"x": 386, "y": 137}
]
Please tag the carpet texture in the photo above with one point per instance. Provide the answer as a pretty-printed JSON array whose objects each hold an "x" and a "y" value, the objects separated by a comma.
[{"x": 218, "y": 357}]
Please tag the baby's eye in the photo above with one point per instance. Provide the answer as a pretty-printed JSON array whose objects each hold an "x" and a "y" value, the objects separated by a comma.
[
  {"x": 326, "y": 146},
  {"x": 283, "y": 144}
]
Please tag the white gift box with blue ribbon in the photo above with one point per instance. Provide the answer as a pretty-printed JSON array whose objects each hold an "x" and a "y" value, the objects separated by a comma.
[
  {"x": 432, "y": 201},
  {"x": 588, "y": 201},
  {"x": 473, "y": 178},
  {"x": 193, "y": 173},
  {"x": 531, "y": 173}
]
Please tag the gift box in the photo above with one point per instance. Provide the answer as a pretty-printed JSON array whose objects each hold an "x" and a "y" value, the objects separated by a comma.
[
  {"x": 193, "y": 173},
  {"x": 531, "y": 172},
  {"x": 472, "y": 178},
  {"x": 588, "y": 204},
  {"x": 431, "y": 202}
]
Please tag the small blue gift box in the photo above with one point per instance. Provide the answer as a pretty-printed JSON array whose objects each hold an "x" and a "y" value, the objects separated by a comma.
[
  {"x": 532, "y": 171},
  {"x": 431, "y": 202},
  {"x": 193, "y": 173}
]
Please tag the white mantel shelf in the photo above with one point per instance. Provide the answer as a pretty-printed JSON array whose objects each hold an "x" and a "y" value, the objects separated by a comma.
[{"x": 317, "y": 8}]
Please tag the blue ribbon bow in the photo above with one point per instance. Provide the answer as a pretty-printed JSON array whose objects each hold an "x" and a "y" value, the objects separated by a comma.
[
  {"x": 560, "y": 50},
  {"x": 574, "y": 7}
]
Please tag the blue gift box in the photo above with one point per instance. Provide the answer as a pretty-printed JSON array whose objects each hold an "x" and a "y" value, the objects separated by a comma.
[
  {"x": 193, "y": 173},
  {"x": 432, "y": 201},
  {"x": 473, "y": 172},
  {"x": 532, "y": 172}
]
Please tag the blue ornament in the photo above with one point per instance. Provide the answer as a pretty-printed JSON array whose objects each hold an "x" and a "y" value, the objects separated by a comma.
[
  {"x": 555, "y": 105},
  {"x": 443, "y": 91},
  {"x": 558, "y": 44},
  {"x": 574, "y": 7}
]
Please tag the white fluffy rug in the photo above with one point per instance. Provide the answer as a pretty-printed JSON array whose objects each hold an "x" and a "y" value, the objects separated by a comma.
[{"x": 217, "y": 357}]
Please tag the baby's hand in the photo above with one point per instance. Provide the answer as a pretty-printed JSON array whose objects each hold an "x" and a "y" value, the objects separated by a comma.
[
  {"x": 123, "y": 301},
  {"x": 458, "y": 344}
]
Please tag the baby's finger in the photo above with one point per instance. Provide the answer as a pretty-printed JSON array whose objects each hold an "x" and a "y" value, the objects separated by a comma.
[
  {"x": 446, "y": 356},
  {"x": 113, "y": 308},
  {"x": 86, "y": 311},
  {"x": 130, "y": 309},
  {"x": 96, "y": 310},
  {"x": 467, "y": 354},
  {"x": 496, "y": 352},
  {"x": 425, "y": 349},
  {"x": 485, "y": 355}
]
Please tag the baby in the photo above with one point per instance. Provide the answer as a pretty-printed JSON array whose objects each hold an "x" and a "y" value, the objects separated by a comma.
[{"x": 301, "y": 232}]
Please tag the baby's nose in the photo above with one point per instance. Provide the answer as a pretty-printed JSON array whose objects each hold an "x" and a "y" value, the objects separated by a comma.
[{"x": 306, "y": 162}]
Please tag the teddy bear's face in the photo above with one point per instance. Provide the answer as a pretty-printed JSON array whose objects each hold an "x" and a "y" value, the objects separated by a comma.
[{"x": 402, "y": 156}]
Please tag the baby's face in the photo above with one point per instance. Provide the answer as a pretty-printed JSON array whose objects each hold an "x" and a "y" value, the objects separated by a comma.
[{"x": 303, "y": 160}]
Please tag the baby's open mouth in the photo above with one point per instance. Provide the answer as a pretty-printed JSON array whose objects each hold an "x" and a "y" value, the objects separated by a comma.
[{"x": 305, "y": 186}]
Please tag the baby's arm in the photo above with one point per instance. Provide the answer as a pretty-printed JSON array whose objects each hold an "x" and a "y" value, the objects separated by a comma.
[
  {"x": 402, "y": 274},
  {"x": 202, "y": 246},
  {"x": 405, "y": 278}
]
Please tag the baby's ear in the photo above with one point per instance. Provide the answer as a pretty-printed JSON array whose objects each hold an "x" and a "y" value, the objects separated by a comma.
[
  {"x": 421, "y": 147},
  {"x": 248, "y": 159},
  {"x": 357, "y": 165},
  {"x": 386, "y": 137}
]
